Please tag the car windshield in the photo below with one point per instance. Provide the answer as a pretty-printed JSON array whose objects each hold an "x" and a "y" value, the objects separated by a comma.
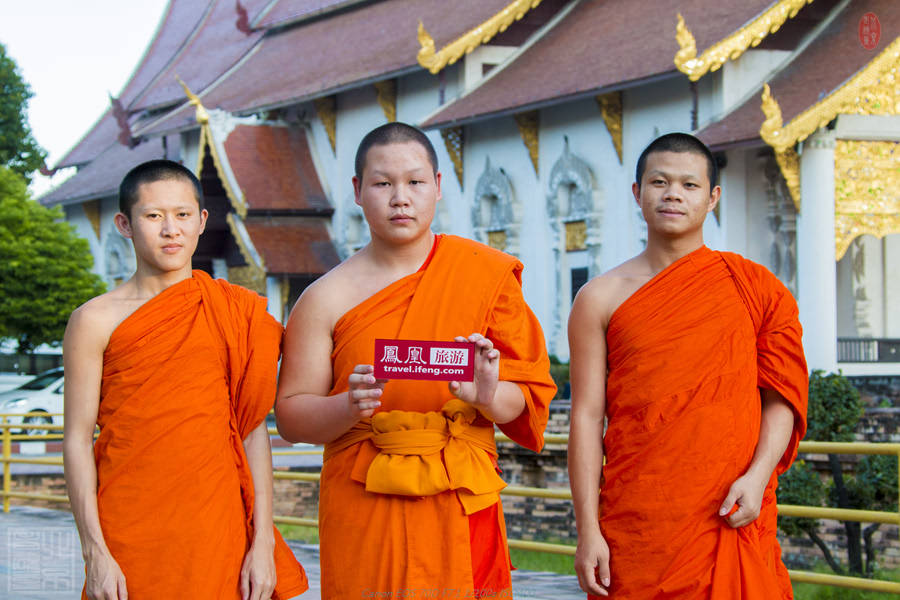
[{"x": 41, "y": 381}]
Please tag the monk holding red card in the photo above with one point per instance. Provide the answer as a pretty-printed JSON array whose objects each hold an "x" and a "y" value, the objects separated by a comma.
[
  {"x": 409, "y": 503},
  {"x": 694, "y": 357}
]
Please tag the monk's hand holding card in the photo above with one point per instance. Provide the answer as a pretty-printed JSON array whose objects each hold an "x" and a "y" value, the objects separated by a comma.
[
  {"x": 481, "y": 391},
  {"x": 364, "y": 391}
]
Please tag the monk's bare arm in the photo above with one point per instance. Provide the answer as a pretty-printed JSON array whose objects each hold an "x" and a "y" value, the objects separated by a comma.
[
  {"x": 258, "y": 570},
  {"x": 777, "y": 423},
  {"x": 83, "y": 346},
  {"x": 587, "y": 371},
  {"x": 303, "y": 409}
]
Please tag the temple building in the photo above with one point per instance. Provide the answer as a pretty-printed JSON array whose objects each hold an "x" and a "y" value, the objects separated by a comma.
[{"x": 539, "y": 110}]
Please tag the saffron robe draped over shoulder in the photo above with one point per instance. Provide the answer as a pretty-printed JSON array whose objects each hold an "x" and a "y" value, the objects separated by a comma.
[
  {"x": 687, "y": 356},
  {"x": 441, "y": 543},
  {"x": 186, "y": 378}
]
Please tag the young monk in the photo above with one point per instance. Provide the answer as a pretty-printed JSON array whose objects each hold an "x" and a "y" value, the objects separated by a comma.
[
  {"x": 409, "y": 503},
  {"x": 694, "y": 357},
  {"x": 174, "y": 499}
]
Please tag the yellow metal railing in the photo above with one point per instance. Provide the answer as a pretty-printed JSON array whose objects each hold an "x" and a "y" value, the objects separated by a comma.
[{"x": 812, "y": 512}]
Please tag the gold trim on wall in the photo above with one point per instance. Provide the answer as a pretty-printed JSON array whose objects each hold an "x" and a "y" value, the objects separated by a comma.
[
  {"x": 326, "y": 109},
  {"x": 733, "y": 46},
  {"x": 497, "y": 239},
  {"x": 434, "y": 61},
  {"x": 576, "y": 236},
  {"x": 529, "y": 123},
  {"x": 611, "y": 111},
  {"x": 386, "y": 93},
  {"x": 91, "y": 210},
  {"x": 453, "y": 141},
  {"x": 866, "y": 191}
]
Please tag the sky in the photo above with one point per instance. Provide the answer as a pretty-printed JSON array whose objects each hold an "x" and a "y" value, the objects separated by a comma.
[{"x": 73, "y": 54}]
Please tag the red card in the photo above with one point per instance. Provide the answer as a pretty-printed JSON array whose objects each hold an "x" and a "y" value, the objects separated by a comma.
[{"x": 424, "y": 360}]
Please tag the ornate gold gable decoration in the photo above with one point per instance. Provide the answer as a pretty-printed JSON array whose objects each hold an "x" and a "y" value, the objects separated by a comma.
[
  {"x": 386, "y": 93},
  {"x": 528, "y": 123},
  {"x": 874, "y": 90},
  {"x": 866, "y": 191},
  {"x": 453, "y": 141},
  {"x": 611, "y": 111},
  {"x": 434, "y": 61},
  {"x": 206, "y": 141},
  {"x": 730, "y": 48},
  {"x": 326, "y": 108}
]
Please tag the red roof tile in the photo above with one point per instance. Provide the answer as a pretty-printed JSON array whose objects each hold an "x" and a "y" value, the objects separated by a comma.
[
  {"x": 599, "y": 46},
  {"x": 826, "y": 64},
  {"x": 321, "y": 56},
  {"x": 295, "y": 247},
  {"x": 274, "y": 168},
  {"x": 288, "y": 11},
  {"x": 215, "y": 46}
]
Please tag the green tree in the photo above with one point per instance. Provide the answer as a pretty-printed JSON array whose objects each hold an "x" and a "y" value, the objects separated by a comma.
[
  {"x": 834, "y": 412},
  {"x": 45, "y": 268},
  {"x": 19, "y": 150}
]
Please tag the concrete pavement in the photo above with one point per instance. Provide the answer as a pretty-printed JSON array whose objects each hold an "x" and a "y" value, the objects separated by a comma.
[{"x": 40, "y": 559}]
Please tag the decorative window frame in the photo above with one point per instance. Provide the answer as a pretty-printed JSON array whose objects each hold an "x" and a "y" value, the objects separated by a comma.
[{"x": 496, "y": 209}]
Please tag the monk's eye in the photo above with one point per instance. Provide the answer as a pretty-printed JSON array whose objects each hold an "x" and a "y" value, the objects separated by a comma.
[
  {"x": 415, "y": 182},
  {"x": 381, "y": 184}
]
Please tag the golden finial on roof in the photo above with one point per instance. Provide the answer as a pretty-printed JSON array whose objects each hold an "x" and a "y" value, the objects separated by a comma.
[
  {"x": 771, "y": 127},
  {"x": 686, "y": 43},
  {"x": 426, "y": 52},
  {"x": 202, "y": 116}
]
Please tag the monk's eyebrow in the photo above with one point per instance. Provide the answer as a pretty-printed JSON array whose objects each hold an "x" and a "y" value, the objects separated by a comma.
[{"x": 407, "y": 172}]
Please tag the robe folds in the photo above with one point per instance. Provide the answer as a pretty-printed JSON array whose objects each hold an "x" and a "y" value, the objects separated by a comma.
[
  {"x": 687, "y": 356},
  {"x": 409, "y": 504},
  {"x": 186, "y": 378}
]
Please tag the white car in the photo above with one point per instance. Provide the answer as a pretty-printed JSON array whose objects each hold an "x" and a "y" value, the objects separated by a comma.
[{"x": 43, "y": 394}]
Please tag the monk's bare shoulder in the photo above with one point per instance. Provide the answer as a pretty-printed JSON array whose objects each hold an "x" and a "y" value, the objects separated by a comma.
[
  {"x": 326, "y": 299},
  {"x": 92, "y": 323},
  {"x": 602, "y": 295}
]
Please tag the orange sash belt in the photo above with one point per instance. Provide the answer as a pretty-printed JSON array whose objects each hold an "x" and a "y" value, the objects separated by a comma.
[{"x": 422, "y": 454}]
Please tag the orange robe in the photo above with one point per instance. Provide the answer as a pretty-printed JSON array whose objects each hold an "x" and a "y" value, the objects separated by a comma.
[
  {"x": 423, "y": 542},
  {"x": 186, "y": 378},
  {"x": 687, "y": 354}
]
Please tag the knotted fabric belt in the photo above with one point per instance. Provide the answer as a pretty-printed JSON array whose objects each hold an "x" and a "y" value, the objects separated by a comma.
[{"x": 422, "y": 454}]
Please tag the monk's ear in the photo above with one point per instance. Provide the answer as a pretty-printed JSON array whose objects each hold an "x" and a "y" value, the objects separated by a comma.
[
  {"x": 204, "y": 214},
  {"x": 437, "y": 184},
  {"x": 636, "y": 190},
  {"x": 357, "y": 189},
  {"x": 714, "y": 196},
  {"x": 123, "y": 224}
]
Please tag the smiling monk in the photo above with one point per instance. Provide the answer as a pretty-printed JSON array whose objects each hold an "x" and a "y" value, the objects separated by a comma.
[
  {"x": 694, "y": 357},
  {"x": 174, "y": 499},
  {"x": 409, "y": 504}
]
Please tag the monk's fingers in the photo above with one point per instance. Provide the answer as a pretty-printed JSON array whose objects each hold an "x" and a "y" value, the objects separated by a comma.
[
  {"x": 122, "y": 588},
  {"x": 744, "y": 515},
  {"x": 359, "y": 379},
  {"x": 364, "y": 369},
  {"x": 460, "y": 338},
  {"x": 588, "y": 580},
  {"x": 362, "y": 394}
]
